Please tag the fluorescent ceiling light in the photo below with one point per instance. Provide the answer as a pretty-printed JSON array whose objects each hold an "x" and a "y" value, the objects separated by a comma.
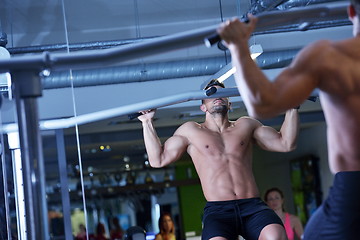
[
  {"x": 227, "y": 74},
  {"x": 255, "y": 51}
]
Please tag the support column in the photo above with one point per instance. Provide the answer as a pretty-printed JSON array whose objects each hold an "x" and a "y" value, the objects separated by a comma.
[
  {"x": 27, "y": 88},
  {"x": 65, "y": 196}
]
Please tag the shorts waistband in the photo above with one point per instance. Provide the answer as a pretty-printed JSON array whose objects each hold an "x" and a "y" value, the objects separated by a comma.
[
  {"x": 348, "y": 174},
  {"x": 242, "y": 200},
  {"x": 347, "y": 182}
]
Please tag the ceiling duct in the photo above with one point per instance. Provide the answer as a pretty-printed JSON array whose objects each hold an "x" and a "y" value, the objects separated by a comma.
[
  {"x": 265, "y": 5},
  {"x": 278, "y": 5},
  {"x": 159, "y": 71},
  {"x": 276, "y": 59},
  {"x": 136, "y": 73},
  {"x": 303, "y": 3},
  {"x": 269, "y": 5}
]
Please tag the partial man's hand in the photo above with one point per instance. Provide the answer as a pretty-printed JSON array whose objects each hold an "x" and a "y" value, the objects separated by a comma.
[
  {"x": 236, "y": 32},
  {"x": 147, "y": 115}
]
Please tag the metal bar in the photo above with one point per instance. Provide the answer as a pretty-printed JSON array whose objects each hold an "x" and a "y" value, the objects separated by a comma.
[
  {"x": 74, "y": 46},
  {"x": 31, "y": 154},
  {"x": 131, "y": 108},
  {"x": 5, "y": 187},
  {"x": 124, "y": 110},
  {"x": 106, "y": 57},
  {"x": 64, "y": 185},
  {"x": 304, "y": 15},
  {"x": 14, "y": 146}
]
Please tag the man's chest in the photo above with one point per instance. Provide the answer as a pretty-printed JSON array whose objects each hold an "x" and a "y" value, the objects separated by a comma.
[{"x": 214, "y": 143}]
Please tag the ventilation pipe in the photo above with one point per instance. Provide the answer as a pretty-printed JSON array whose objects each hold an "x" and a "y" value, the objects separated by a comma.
[
  {"x": 159, "y": 71},
  {"x": 136, "y": 73},
  {"x": 301, "y": 3},
  {"x": 271, "y": 5}
]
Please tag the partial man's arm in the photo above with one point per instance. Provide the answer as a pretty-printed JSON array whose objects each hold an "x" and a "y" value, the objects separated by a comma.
[
  {"x": 279, "y": 141},
  {"x": 263, "y": 98},
  {"x": 159, "y": 154}
]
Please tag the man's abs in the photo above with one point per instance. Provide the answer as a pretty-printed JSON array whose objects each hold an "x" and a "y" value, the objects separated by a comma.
[{"x": 227, "y": 183}]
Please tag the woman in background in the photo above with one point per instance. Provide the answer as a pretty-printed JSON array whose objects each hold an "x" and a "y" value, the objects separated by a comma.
[
  {"x": 100, "y": 232},
  {"x": 274, "y": 198},
  {"x": 117, "y": 232},
  {"x": 82, "y": 232},
  {"x": 166, "y": 227}
]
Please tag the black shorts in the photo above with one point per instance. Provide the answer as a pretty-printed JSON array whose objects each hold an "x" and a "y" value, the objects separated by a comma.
[
  {"x": 339, "y": 215},
  {"x": 229, "y": 219}
]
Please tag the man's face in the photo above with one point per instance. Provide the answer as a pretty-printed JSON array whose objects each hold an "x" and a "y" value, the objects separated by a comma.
[{"x": 216, "y": 105}]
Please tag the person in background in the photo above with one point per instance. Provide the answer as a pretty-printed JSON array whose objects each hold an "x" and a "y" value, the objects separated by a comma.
[
  {"x": 82, "y": 232},
  {"x": 117, "y": 232},
  {"x": 100, "y": 232},
  {"x": 166, "y": 227},
  {"x": 274, "y": 198}
]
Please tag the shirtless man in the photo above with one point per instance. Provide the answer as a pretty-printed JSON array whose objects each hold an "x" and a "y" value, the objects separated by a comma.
[
  {"x": 333, "y": 68},
  {"x": 221, "y": 151}
]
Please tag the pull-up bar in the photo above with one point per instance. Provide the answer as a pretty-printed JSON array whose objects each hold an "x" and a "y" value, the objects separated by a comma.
[
  {"x": 131, "y": 108},
  {"x": 303, "y": 16},
  {"x": 207, "y": 35},
  {"x": 127, "y": 109}
]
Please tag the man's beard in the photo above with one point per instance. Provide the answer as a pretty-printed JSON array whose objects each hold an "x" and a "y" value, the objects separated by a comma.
[{"x": 220, "y": 109}]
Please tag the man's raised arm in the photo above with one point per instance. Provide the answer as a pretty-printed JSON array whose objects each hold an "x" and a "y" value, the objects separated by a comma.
[
  {"x": 263, "y": 98},
  {"x": 160, "y": 155},
  {"x": 284, "y": 140}
]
